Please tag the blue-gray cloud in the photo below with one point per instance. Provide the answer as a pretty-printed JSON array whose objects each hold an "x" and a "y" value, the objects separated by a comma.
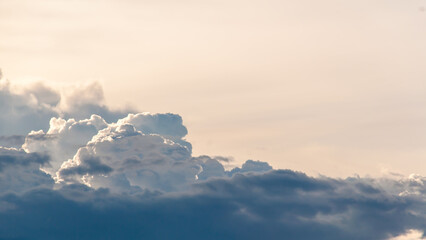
[
  {"x": 20, "y": 171},
  {"x": 27, "y": 108},
  {"x": 13, "y": 141},
  {"x": 71, "y": 168},
  {"x": 276, "y": 205},
  {"x": 22, "y": 112}
]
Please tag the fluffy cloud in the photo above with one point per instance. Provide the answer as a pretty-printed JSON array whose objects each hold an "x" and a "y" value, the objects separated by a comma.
[
  {"x": 28, "y": 108},
  {"x": 85, "y": 172},
  {"x": 119, "y": 154},
  {"x": 137, "y": 152},
  {"x": 20, "y": 171},
  {"x": 63, "y": 139},
  {"x": 82, "y": 101},
  {"x": 167, "y": 125},
  {"x": 90, "y": 148},
  {"x": 23, "y": 111},
  {"x": 140, "y": 151}
]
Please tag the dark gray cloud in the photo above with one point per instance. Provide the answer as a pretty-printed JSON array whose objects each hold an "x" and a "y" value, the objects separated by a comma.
[
  {"x": 20, "y": 171},
  {"x": 13, "y": 157},
  {"x": 275, "y": 205},
  {"x": 90, "y": 165}
]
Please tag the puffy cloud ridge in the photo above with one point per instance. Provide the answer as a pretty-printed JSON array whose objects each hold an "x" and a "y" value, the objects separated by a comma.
[{"x": 71, "y": 168}]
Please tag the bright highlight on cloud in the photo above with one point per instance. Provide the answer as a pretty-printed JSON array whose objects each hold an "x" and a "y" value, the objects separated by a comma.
[
  {"x": 71, "y": 168},
  {"x": 412, "y": 234}
]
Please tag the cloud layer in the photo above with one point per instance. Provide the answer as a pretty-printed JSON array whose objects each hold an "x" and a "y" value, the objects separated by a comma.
[
  {"x": 71, "y": 168},
  {"x": 275, "y": 205}
]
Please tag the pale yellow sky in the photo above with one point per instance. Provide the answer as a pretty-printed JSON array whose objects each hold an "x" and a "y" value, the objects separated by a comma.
[{"x": 334, "y": 87}]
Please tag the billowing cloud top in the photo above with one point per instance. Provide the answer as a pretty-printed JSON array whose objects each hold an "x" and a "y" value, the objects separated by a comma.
[
  {"x": 71, "y": 168},
  {"x": 30, "y": 108}
]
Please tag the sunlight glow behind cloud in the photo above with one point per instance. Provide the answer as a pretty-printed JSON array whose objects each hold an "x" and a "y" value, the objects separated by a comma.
[{"x": 154, "y": 119}]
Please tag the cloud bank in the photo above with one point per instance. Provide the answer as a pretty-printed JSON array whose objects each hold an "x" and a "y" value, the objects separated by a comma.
[{"x": 71, "y": 168}]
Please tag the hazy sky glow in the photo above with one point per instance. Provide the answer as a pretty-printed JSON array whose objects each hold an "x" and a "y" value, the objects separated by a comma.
[
  {"x": 305, "y": 84},
  {"x": 205, "y": 119}
]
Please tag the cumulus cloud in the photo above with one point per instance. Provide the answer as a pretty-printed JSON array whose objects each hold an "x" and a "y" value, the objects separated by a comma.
[
  {"x": 211, "y": 167},
  {"x": 71, "y": 168},
  {"x": 146, "y": 161},
  {"x": 167, "y": 125},
  {"x": 82, "y": 101},
  {"x": 140, "y": 151},
  {"x": 29, "y": 108},
  {"x": 22, "y": 112},
  {"x": 137, "y": 152},
  {"x": 20, "y": 171},
  {"x": 63, "y": 139}
]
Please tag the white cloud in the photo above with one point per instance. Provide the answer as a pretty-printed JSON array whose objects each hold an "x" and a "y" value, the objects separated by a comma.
[
  {"x": 167, "y": 125},
  {"x": 120, "y": 152},
  {"x": 63, "y": 139},
  {"x": 412, "y": 234}
]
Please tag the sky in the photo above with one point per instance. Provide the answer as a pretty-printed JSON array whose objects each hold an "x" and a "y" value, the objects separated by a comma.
[
  {"x": 212, "y": 119},
  {"x": 331, "y": 87},
  {"x": 306, "y": 85}
]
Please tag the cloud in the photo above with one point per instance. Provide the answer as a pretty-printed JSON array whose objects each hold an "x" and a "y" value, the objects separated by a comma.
[
  {"x": 79, "y": 148},
  {"x": 14, "y": 141},
  {"x": 136, "y": 152},
  {"x": 20, "y": 171},
  {"x": 71, "y": 168},
  {"x": 63, "y": 139},
  {"x": 29, "y": 108},
  {"x": 252, "y": 166},
  {"x": 411, "y": 234},
  {"x": 274, "y": 205},
  {"x": 140, "y": 151},
  {"x": 211, "y": 167},
  {"x": 168, "y": 125},
  {"x": 144, "y": 160},
  {"x": 22, "y": 111},
  {"x": 82, "y": 101}
]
